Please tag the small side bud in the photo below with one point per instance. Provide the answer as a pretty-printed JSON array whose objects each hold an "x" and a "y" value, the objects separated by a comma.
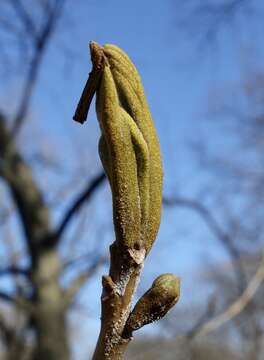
[{"x": 155, "y": 303}]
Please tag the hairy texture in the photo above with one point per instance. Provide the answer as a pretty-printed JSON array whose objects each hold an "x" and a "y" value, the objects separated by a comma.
[
  {"x": 155, "y": 303},
  {"x": 130, "y": 154},
  {"x": 127, "y": 108},
  {"x": 119, "y": 160}
]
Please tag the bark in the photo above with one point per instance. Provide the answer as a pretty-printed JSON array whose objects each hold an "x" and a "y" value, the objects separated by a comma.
[
  {"x": 49, "y": 314},
  {"x": 46, "y": 309},
  {"x": 118, "y": 290}
]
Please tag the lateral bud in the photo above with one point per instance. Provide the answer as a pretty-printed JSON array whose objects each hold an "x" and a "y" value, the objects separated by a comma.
[{"x": 155, "y": 303}]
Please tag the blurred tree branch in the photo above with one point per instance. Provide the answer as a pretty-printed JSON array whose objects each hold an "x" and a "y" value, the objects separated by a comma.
[
  {"x": 206, "y": 19},
  {"x": 13, "y": 270},
  {"x": 39, "y": 301},
  {"x": 25, "y": 192},
  {"x": 82, "y": 278},
  {"x": 25, "y": 19},
  {"x": 20, "y": 302},
  {"x": 80, "y": 200},
  {"x": 238, "y": 305},
  {"x": 40, "y": 36},
  {"x": 222, "y": 236}
]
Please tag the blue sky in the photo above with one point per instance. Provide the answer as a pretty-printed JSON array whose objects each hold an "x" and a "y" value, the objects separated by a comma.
[{"x": 179, "y": 82}]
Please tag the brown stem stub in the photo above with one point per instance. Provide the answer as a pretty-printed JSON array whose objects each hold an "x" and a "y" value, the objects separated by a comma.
[
  {"x": 84, "y": 103},
  {"x": 98, "y": 58},
  {"x": 99, "y": 61}
]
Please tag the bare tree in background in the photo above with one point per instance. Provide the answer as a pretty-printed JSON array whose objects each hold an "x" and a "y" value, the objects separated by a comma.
[
  {"x": 37, "y": 298},
  {"x": 242, "y": 187},
  {"x": 38, "y": 301},
  {"x": 236, "y": 112},
  {"x": 207, "y": 21}
]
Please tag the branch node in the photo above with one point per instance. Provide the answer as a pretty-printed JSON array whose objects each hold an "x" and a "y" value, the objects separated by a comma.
[
  {"x": 154, "y": 304},
  {"x": 137, "y": 255},
  {"x": 109, "y": 287}
]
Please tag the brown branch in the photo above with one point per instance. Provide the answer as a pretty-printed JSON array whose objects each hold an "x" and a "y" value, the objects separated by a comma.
[
  {"x": 238, "y": 305},
  {"x": 118, "y": 289},
  {"x": 86, "y": 98},
  {"x": 80, "y": 200},
  {"x": 216, "y": 229},
  {"x": 99, "y": 61}
]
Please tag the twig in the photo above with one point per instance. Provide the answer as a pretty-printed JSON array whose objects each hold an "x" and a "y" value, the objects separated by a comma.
[
  {"x": 13, "y": 270},
  {"x": 17, "y": 301},
  {"x": 238, "y": 305},
  {"x": 40, "y": 42},
  {"x": 216, "y": 229},
  {"x": 80, "y": 201},
  {"x": 82, "y": 278},
  {"x": 25, "y": 18}
]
